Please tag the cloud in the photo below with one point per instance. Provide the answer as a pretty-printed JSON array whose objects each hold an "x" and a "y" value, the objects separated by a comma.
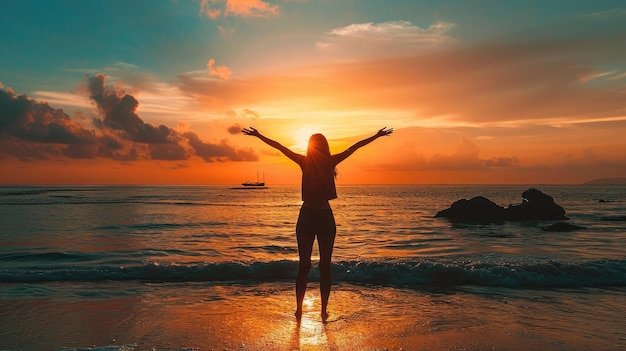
[
  {"x": 385, "y": 39},
  {"x": 124, "y": 66},
  {"x": 226, "y": 31},
  {"x": 504, "y": 82},
  {"x": 221, "y": 72},
  {"x": 238, "y": 8},
  {"x": 221, "y": 151},
  {"x": 119, "y": 111},
  {"x": 34, "y": 130},
  {"x": 404, "y": 30},
  {"x": 619, "y": 76},
  {"x": 510, "y": 83},
  {"x": 67, "y": 99},
  {"x": 24, "y": 120},
  {"x": 501, "y": 162},
  {"x": 250, "y": 114},
  {"x": 615, "y": 12},
  {"x": 465, "y": 157},
  {"x": 235, "y": 129}
]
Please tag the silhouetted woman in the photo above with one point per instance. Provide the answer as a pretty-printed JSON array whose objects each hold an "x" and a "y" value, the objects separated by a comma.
[{"x": 316, "y": 217}]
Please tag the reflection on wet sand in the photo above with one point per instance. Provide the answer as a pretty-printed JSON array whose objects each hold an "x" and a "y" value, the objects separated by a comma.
[{"x": 309, "y": 332}]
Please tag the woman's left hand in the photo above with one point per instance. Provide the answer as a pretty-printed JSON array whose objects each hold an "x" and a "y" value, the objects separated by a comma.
[{"x": 384, "y": 132}]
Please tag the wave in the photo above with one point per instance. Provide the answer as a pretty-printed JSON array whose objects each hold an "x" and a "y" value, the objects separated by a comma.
[
  {"x": 60, "y": 200},
  {"x": 156, "y": 226},
  {"x": 550, "y": 274},
  {"x": 74, "y": 200}
]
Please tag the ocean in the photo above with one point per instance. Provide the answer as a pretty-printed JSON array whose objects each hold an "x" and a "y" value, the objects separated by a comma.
[{"x": 213, "y": 267}]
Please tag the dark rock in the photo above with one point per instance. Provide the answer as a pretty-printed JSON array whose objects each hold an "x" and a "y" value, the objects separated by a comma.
[
  {"x": 562, "y": 227},
  {"x": 478, "y": 209},
  {"x": 535, "y": 206}
]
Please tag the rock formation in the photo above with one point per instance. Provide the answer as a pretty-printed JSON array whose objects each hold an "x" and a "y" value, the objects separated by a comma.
[{"x": 535, "y": 206}]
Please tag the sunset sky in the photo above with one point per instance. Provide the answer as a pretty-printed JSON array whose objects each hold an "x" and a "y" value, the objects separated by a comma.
[{"x": 156, "y": 92}]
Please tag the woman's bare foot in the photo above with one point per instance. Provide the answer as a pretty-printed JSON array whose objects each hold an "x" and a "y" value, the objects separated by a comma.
[
  {"x": 324, "y": 315},
  {"x": 298, "y": 314}
]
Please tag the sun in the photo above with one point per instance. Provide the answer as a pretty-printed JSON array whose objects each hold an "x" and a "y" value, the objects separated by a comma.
[{"x": 301, "y": 139}]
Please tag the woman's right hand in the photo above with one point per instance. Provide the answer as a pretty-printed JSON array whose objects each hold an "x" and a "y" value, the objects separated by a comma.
[{"x": 251, "y": 131}]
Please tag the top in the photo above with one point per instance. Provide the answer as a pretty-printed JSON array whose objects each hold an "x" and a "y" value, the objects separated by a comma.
[{"x": 318, "y": 179}]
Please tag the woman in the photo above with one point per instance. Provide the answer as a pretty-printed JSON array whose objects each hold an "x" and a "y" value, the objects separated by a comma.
[{"x": 316, "y": 217}]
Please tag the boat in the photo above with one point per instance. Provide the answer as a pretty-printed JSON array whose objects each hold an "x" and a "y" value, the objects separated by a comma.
[{"x": 257, "y": 183}]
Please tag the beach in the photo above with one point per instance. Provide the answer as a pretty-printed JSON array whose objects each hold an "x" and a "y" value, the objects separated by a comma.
[
  {"x": 200, "y": 316},
  {"x": 178, "y": 268}
]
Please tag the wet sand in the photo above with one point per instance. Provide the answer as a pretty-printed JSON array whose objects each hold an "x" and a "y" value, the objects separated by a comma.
[{"x": 204, "y": 316}]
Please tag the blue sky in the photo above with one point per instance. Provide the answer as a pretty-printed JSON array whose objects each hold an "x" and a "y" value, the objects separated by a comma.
[{"x": 47, "y": 41}]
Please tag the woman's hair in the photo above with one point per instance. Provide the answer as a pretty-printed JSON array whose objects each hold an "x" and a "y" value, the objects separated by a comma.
[{"x": 318, "y": 145}]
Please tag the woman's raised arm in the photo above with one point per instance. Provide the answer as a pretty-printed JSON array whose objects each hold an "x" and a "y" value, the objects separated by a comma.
[
  {"x": 349, "y": 151},
  {"x": 276, "y": 145}
]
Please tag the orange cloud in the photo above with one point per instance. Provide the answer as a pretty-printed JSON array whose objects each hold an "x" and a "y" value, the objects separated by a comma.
[
  {"x": 516, "y": 84},
  {"x": 238, "y": 8},
  {"x": 221, "y": 72},
  {"x": 412, "y": 156}
]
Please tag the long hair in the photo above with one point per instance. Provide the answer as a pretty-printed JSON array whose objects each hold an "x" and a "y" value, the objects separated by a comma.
[
  {"x": 318, "y": 149},
  {"x": 318, "y": 145}
]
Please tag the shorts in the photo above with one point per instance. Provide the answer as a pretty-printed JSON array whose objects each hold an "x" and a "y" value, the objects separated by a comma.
[{"x": 315, "y": 221}]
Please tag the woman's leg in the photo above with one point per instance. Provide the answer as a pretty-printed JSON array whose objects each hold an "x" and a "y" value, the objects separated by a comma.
[
  {"x": 326, "y": 241},
  {"x": 305, "y": 247}
]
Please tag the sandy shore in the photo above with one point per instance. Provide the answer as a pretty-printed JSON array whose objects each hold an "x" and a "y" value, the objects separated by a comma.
[{"x": 260, "y": 317}]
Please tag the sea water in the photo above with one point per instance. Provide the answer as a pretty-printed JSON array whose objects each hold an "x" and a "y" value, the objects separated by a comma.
[{"x": 64, "y": 246}]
